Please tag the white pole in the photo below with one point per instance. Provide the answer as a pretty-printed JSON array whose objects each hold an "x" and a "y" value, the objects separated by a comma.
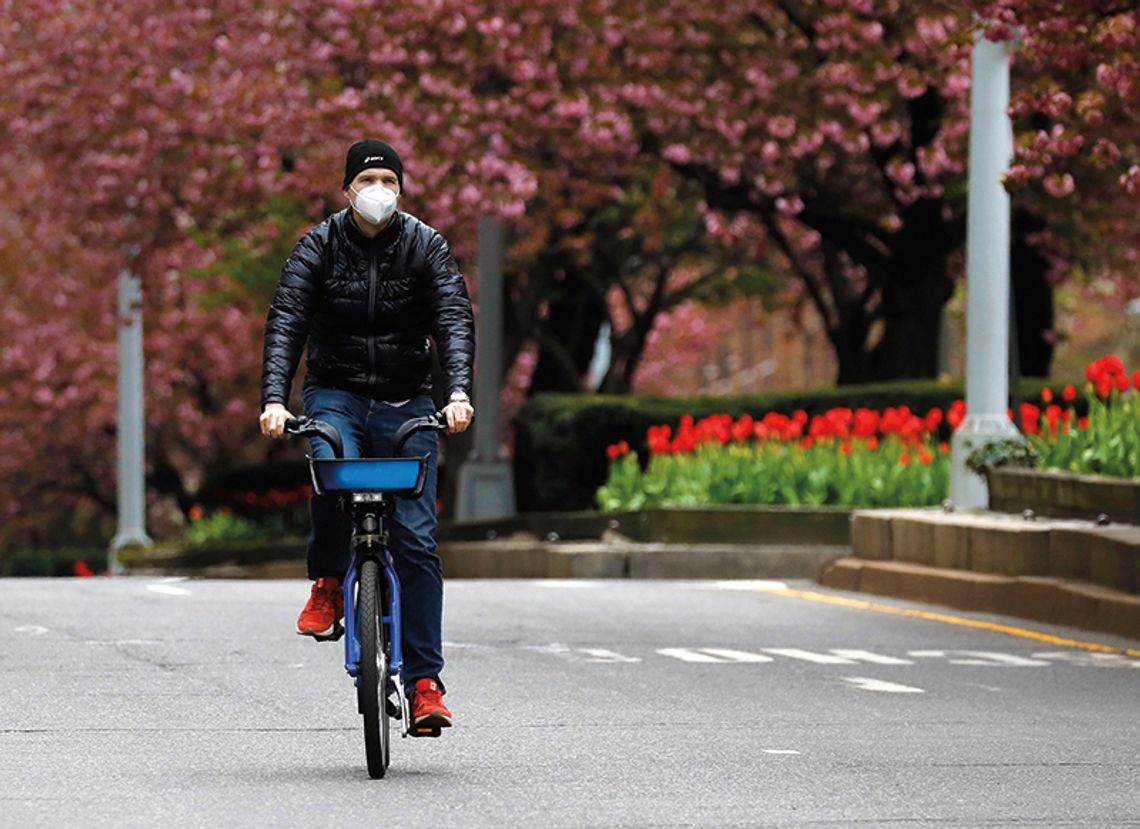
[
  {"x": 132, "y": 479},
  {"x": 987, "y": 271}
]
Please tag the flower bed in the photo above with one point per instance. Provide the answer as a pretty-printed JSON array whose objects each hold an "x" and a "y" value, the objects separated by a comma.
[
  {"x": 864, "y": 457},
  {"x": 1107, "y": 442},
  {"x": 842, "y": 457}
]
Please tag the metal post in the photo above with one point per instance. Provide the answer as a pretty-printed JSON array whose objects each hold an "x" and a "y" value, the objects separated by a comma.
[
  {"x": 486, "y": 483},
  {"x": 132, "y": 477},
  {"x": 987, "y": 271}
]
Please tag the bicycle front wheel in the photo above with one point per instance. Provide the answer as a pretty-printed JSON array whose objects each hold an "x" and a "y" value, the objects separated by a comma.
[{"x": 373, "y": 687}]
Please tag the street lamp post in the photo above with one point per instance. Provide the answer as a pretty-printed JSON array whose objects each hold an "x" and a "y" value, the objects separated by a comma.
[
  {"x": 132, "y": 480},
  {"x": 486, "y": 485},
  {"x": 987, "y": 271}
]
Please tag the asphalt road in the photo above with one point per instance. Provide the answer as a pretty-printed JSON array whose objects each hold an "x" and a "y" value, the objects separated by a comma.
[{"x": 148, "y": 702}]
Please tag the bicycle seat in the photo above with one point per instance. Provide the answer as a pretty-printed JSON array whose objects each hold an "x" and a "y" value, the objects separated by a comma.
[{"x": 392, "y": 476}]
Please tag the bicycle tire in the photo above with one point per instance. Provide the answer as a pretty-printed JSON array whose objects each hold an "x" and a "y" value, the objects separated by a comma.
[{"x": 373, "y": 687}]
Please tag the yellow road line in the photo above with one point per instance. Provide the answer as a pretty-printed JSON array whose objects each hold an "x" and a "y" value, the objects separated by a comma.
[{"x": 860, "y": 604}]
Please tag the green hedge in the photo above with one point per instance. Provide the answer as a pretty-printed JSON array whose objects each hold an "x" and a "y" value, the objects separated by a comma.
[
  {"x": 49, "y": 562},
  {"x": 560, "y": 439}
]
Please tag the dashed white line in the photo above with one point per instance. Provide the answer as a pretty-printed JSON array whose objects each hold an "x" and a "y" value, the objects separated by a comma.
[
  {"x": 984, "y": 658},
  {"x": 606, "y": 655},
  {"x": 737, "y": 656},
  {"x": 567, "y": 584},
  {"x": 810, "y": 656},
  {"x": 34, "y": 630},
  {"x": 779, "y": 751},
  {"x": 168, "y": 589},
  {"x": 1095, "y": 660},
  {"x": 868, "y": 656},
  {"x": 869, "y": 684},
  {"x": 689, "y": 655}
]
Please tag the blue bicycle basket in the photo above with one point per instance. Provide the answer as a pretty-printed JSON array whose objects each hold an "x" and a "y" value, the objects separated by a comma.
[{"x": 395, "y": 476}]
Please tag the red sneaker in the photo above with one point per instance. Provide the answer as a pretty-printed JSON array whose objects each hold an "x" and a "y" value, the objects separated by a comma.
[
  {"x": 321, "y": 616},
  {"x": 429, "y": 714}
]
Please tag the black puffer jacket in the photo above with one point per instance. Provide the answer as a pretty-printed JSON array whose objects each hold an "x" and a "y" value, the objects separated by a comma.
[{"x": 367, "y": 308}]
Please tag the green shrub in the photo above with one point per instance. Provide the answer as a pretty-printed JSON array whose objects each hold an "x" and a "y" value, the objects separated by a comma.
[
  {"x": 225, "y": 527},
  {"x": 1005, "y": 452},
  {"x": 560, "y": 439},
  {"x": 37, "y": 563}
]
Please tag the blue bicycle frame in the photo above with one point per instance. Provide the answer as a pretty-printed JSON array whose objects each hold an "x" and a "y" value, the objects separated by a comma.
[{"x": 391, "y": 618}]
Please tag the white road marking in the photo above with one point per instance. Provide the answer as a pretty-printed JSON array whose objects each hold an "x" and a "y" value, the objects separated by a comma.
[
  {"x": 464, "y": 645},
  {"x": 564, "y": 652},
  {"x": 1095, "y": 660},
  {"x": 990, "y": 658},
  {"x": 571, "y": 584},
  {"x": 168, "y": 590},
  {"x": 34, "y": 630},
  {"x": 737, "y": 656},
  {"x": 810, "y": 656},
  {"x": 750, "y": 585},
  {"x": 604, "y": 655},
  {"x": 689, "y": 655},
  {"x": 986, "y": 658},
  {"x": 869, "y": 684},
  {"x": 122, "y": 642},
  {"x": 868, "y": 656},
  {"x": 779, "y": 751}
]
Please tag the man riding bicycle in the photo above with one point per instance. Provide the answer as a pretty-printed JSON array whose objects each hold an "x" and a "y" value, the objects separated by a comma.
[{"x": 369, "y": 289}]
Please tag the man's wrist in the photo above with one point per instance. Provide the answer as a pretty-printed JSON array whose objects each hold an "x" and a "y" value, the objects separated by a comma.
[{"x": 459, "y": 396}]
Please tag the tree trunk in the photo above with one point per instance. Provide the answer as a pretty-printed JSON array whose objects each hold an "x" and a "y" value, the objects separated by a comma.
[
  {"x": 567, "y": 338},
  {"x": 1031, "y": 298}
]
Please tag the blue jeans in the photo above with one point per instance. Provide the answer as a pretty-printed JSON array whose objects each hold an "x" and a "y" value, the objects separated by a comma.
[{"x": 368, "y": 429}]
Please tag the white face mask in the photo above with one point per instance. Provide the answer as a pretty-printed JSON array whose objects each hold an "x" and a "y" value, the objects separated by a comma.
[{"x": 375, "y": 203}]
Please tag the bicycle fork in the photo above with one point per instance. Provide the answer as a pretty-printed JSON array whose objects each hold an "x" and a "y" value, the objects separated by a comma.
[{"x": 391, "y": 617}]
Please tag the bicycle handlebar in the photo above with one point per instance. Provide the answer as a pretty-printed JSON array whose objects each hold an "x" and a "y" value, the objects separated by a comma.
[
  {"x": 307, "y": 427},
  {"x": 436, "y": 422}
]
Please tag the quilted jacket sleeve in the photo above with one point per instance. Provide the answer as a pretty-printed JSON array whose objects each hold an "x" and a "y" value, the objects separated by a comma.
[
  {"x": 290, "y": 318},
  {"x": 453, "y": 322}
]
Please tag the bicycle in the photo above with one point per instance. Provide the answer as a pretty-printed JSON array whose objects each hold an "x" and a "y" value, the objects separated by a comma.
[{"x": 367, "y": 490}]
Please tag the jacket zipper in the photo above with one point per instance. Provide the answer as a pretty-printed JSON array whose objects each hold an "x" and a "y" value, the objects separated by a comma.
[{"x": 371, "y": 321}]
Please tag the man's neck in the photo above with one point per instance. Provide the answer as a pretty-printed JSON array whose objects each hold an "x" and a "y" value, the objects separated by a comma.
[{"x": 367, "y": 228}]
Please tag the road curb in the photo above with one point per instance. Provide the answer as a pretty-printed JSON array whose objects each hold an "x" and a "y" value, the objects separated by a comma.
[
  {"x": 530, "y": 558},
  {"x": 1047, "y": 599}
]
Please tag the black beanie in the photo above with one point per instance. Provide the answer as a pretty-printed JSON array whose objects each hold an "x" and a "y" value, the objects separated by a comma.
[{"x": 372, "y": 153}]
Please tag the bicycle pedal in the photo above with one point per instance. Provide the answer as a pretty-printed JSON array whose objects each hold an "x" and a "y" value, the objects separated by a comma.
[{"x": 424, "y": 732}]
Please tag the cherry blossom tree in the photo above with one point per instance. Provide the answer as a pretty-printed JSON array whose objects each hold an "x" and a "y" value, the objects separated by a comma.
[{"x": 653, "y": 151}]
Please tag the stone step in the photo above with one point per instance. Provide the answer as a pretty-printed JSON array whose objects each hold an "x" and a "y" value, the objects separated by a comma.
[
  {"x": 1052, "y": 600},
  {"x": 1002, "y": 544}
]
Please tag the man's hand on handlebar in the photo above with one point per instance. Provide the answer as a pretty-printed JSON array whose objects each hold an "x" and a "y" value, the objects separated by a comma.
[
  {"x": 459, "y": 414},
  {"x": 273, "y": 420}
]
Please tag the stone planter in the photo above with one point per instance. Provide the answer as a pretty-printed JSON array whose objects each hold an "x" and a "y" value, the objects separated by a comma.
[
  {"x": 1064, "y": 494},
  {"x": 730, "y": 524}
]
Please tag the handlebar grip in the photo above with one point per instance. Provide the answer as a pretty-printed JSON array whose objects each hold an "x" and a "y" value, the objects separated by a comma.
[
  {"x": 294, "y": 424},
  {"x": 307, "y": 427},
  {"x": 436, "y": 422}
]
